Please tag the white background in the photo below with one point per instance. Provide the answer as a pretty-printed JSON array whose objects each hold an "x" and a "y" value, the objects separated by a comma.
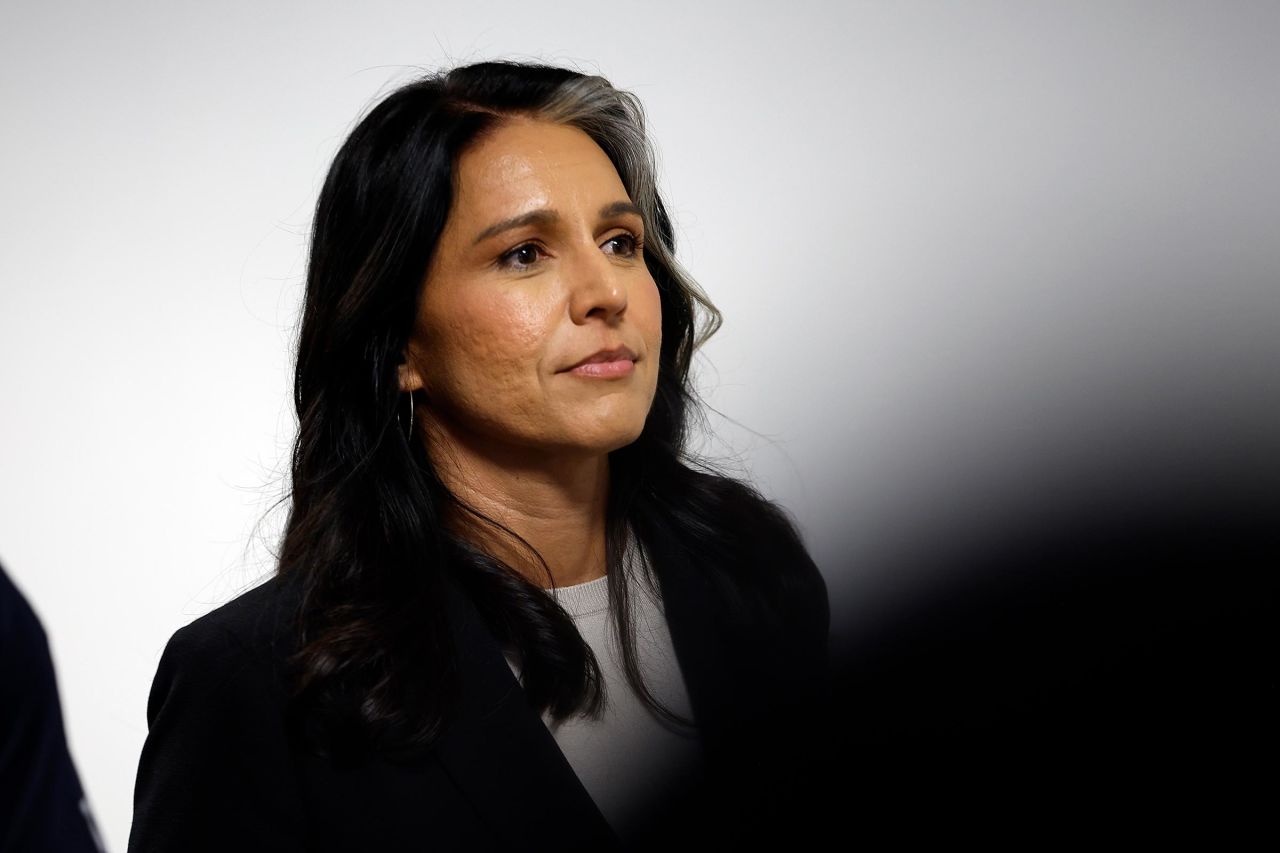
[{"x": 952, "y": 242}]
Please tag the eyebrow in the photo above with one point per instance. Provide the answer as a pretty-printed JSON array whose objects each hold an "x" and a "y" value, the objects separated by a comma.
[{"x": 548, "y": 217}]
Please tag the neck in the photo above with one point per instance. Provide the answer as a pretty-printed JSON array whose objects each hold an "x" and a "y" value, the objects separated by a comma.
[{"x": 555, "y": 502}]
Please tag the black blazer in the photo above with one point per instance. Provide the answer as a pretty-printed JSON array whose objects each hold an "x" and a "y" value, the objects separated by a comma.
[{"x": 218, "y": 771}]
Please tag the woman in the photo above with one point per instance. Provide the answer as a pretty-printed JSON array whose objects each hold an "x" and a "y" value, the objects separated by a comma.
[{"x": 508, "y": 613}]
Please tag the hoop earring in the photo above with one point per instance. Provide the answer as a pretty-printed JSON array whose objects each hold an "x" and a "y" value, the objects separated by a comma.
[{"x": 410, "y": 414}]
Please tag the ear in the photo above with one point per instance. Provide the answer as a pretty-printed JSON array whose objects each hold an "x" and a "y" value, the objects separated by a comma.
[{"x": 408, "y": 377}]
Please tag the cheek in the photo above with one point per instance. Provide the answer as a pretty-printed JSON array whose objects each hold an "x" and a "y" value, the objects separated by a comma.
[
  {"x": 493, "y": 350},
  {"x": 651, "y": 317}
]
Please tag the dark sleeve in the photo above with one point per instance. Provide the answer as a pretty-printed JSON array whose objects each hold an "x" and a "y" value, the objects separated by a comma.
[
  {"x": 215, "y": 770},
  {"x": 42, "y": 806}
]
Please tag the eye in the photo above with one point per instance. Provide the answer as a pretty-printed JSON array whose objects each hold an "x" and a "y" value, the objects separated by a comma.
[
  {"x": 520, "y": 258},
  {"x": 630, "y": 244}
]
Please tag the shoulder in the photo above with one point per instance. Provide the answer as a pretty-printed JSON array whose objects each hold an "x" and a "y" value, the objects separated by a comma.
[
  {"x": 247, "y": 638},
  {"x": 215, "y": 767},
  {"x": 750, "y": 549},
  {"x": 21, "y": 635},
  {"x": 769, "y": 607},
  {"x": 765, "y": 537},
  {"x": 249, "y": 623},
  {"x": 743, "y": 511}
]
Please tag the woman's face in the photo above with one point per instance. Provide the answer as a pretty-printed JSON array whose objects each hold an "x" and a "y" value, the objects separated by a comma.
[{"x": 539, "y": 266}]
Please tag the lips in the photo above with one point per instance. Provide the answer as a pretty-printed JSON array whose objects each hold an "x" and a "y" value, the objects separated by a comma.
[{"x": 617, "y": 353}]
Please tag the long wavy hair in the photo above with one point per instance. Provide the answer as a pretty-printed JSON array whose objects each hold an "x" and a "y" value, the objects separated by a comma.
[{"x": 366, "y": 539}]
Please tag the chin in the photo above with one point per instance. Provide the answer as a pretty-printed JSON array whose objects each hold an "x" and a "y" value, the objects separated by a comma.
[{"x": 607, "y": 442}]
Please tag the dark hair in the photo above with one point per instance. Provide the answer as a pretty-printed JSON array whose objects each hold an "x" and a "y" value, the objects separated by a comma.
[{"x": 365, "y": 537}]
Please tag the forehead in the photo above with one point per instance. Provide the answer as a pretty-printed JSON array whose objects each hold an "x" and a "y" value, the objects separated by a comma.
[{"x": 526, "y": 163}]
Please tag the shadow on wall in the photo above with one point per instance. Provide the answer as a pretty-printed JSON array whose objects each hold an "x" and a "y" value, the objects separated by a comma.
[{"x": 1110, "y": 668}]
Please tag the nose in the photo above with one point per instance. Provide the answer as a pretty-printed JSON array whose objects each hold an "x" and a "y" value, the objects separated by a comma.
[{"x": 597, "y": 286}]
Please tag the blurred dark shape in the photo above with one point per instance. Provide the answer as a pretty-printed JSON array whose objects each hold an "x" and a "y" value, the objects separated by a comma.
[
  {"x": 42, "y": 806},
  {"x": 1106, "y": 672}
]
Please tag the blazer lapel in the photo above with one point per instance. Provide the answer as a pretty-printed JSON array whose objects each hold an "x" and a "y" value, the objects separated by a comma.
[
  {"x": 503, "y": 757},
  {"x": 506, "y": 761}
]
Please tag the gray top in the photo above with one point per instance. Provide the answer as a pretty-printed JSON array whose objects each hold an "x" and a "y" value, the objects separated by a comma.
[{"x": 630, "y": 753}]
